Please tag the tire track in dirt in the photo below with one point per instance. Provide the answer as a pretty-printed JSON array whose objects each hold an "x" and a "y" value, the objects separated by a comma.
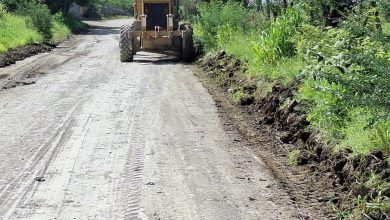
[{"x": 29, "y": 179}]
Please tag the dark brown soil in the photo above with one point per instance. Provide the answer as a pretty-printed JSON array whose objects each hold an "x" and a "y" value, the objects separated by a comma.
[
  {"x": 275, "y": 125},
  {"x": 24, "y": 52}
]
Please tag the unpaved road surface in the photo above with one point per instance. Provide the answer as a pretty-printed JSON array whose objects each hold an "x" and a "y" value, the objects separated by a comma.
[{"x": 84, "y": 136}]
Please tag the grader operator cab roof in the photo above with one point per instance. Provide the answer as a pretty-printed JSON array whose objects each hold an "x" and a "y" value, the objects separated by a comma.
[{"x": 156, "y": 28}]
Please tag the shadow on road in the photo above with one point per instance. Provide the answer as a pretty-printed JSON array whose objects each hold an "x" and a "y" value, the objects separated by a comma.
[
  {"x": 156, "y": 58},
  {"x": 102, "y": 30}
]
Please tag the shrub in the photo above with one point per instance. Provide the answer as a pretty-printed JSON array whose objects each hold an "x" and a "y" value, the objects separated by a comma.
[
  {"x": 347, "y": 85},
  {"x": 215, "y": 16},
  {"x": 384, "y": 7},
  {"x": 277, "y": 42},
  {"x": 60, "y": 30},
  {"x": 40, "y": 17}
]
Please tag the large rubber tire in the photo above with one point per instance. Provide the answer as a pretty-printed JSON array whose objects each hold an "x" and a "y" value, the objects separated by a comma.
[
  {"x": 126, "y": 44},
  {"x": 188, "y": 49}
]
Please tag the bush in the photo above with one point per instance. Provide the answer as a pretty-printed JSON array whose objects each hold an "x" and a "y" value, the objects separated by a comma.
[
  {"x": 216, "y": 16},
  {"x": 384, "y": 7},
  {"x": 40, "y": 17},
  {"x": 189, "y": 10},
  {"x": 278, "y": 41},
  {"x": 347, "y": 83},
  {"x": 60, "y": 30}
]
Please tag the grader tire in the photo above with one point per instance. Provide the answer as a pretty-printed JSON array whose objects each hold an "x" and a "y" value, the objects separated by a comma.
[
  {"x": 188, "y": 50},
  {"x": 126, "y": 44}
]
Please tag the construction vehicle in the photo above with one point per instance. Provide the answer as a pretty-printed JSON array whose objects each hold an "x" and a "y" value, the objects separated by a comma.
[{"x": 156, "y": 29}]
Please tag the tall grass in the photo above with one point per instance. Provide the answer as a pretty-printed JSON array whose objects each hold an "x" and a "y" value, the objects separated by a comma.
[
  {"x": 277, "y": 42},
  {"x": 18, "y": 30},
  {"x": 15, "y": 32}
]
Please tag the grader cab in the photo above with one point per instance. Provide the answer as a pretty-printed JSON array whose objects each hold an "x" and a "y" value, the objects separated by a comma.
[{"x": 156, "y": 29}]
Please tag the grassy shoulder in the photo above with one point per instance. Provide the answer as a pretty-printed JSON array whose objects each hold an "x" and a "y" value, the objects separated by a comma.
[
  {"x": 340, "y": 75},
  {"x": 16, "y": 30}
]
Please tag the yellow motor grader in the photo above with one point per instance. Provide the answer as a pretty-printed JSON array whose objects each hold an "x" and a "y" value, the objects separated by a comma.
[{"x": 156, "y": 29}]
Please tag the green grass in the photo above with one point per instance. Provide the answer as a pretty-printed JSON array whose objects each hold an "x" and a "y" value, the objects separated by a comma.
[
  {"x": 293, "y": 157},
  {"x": 237, "y": 44},
  {"x": 386, "y": 27},
  {"x": 285, "y": 70},
  {"x": 60, "y": 31},
  {"x": 15, "y": 32}
]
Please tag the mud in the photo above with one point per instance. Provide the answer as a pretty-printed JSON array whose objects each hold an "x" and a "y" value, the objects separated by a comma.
[
  {"x": 322, "y": 181},
  {"x": 22, "y": 53}
]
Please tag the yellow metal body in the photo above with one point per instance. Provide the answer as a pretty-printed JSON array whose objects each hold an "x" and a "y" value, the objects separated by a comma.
[
  {"x": 161, "y": 38},
  {"x": 139, "y": 9}
]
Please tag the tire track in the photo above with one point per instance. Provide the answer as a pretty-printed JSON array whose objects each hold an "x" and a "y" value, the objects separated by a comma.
[{"x": 24, "y": 185}]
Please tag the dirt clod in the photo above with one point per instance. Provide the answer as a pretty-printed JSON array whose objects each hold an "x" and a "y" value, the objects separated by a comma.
[
  {"x": 40, "y": 179},
  {"x": 22, "y": 53}
]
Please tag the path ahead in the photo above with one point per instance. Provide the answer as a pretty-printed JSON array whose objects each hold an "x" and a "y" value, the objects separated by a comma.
[{"x": 89, "y": 137}]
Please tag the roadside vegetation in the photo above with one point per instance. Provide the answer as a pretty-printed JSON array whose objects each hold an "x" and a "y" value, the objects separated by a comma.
[
  {"x": 337, "y": 55},
  {"x": 24, "y": 22}
]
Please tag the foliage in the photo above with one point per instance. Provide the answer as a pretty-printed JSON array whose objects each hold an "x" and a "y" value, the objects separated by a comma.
[
  {"x": 338, "y": 50},
  {"x": 384, "y": 7},
  {"x": 358, "y": 64},
  {"x": 16, "y": 32},
  {"x": 31, "y": 22},
  {"x": 39, "y": 15},
  {"x": 189, "y": 10},
  {"x": 2, "y": 10},
  {"x": 277, "y": 42},
  {"x": 293, "y": 157},
  {"x": 215, "y": 16}
]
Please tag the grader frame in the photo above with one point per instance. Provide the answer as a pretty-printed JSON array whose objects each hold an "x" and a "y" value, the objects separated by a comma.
[{"x": 156, "y": 29}]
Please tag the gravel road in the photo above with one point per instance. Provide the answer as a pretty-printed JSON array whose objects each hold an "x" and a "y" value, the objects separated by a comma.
[{"x": 84, "y": 136}]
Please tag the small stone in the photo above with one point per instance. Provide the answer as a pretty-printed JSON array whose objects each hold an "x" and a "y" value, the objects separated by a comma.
[{"x": 40, "y": 179}]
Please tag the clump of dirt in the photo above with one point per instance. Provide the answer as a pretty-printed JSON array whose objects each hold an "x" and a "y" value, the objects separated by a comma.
[
  {"x": 24, "y": 52},
  {"x": 329, "y": 177}
]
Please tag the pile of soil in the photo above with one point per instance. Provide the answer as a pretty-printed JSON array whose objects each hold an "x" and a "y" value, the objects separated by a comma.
[
  {"x": 24, "y": 52},
  {"x": 323, "y": 181}
]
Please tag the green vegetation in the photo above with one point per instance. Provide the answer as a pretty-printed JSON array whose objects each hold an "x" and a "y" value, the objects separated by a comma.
[
  {"x": 293, "y": 157},
  {"x": 339, "y": 53},
  {"x": 16, "y": 32},
  {"x": 24, "y": 22},
  {"x": 27, "y": 22}
]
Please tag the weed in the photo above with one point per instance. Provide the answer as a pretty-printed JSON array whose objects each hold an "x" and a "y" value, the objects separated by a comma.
[
  {"x": 293, "y": 157},
  {"x": 39, "y": 16},
  {"x": 238, "y": 96}
]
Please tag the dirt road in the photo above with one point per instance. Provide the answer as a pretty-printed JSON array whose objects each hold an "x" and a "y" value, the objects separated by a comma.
[{"x": 84, "y": 136}]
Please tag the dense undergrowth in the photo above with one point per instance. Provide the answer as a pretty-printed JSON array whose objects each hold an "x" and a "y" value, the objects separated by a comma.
[
  {"x": 341, "y": 66},
  {"x": 32, "y": 22}
]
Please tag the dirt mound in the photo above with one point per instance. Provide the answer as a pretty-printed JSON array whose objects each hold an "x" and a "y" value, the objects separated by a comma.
[
  {"x": 333, "y": 176},
  {"x": 22, "y": 53}
]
